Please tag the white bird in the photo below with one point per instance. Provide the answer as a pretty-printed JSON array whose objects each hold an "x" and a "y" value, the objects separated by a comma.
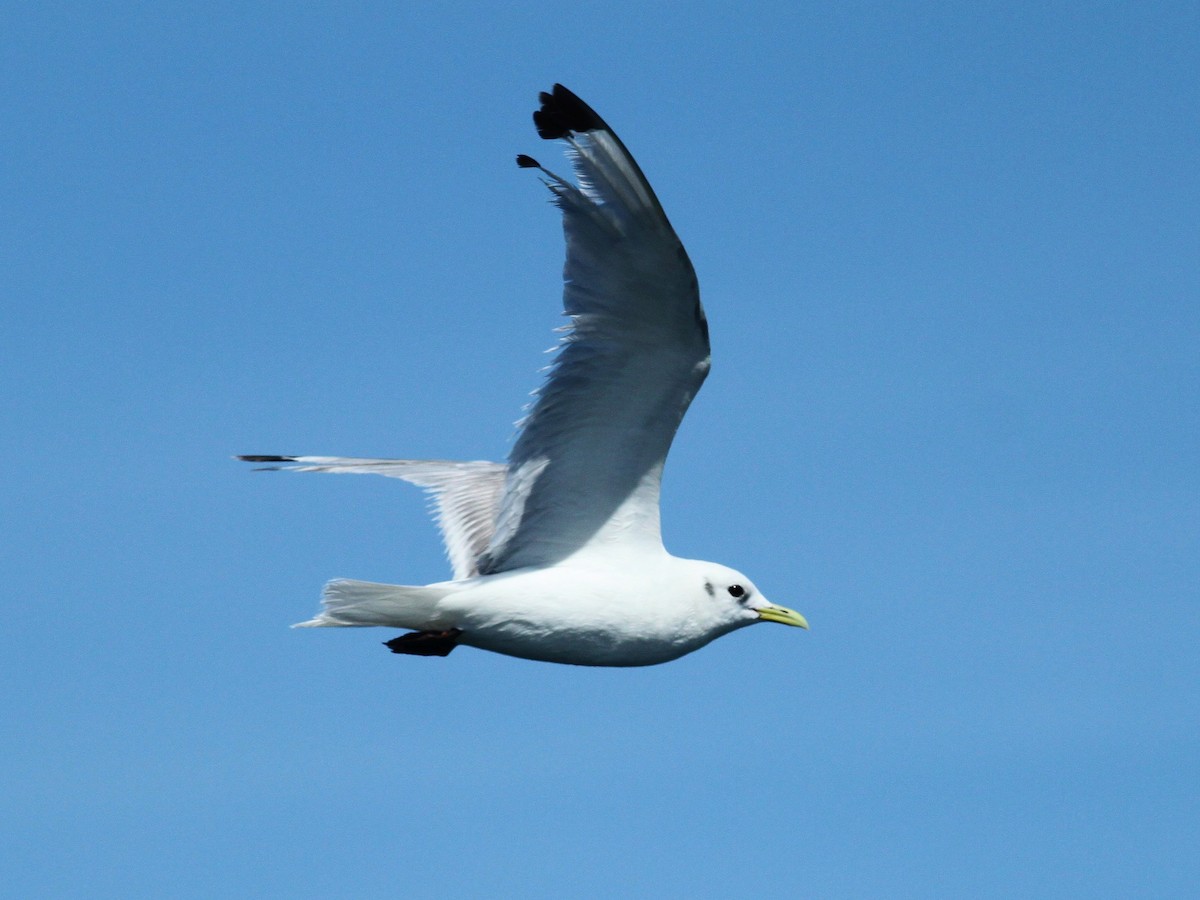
[{"x": 557, "y": 555}]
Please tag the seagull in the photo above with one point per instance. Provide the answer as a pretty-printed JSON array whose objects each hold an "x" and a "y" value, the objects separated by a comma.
[{"x": 557, "y": 555}]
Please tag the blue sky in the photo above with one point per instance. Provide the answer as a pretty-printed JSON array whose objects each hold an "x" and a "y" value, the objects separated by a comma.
[{"x": 949, "y": 256}]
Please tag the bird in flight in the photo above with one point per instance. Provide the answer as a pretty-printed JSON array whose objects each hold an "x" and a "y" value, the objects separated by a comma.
[{"x": 557, "y": 554}]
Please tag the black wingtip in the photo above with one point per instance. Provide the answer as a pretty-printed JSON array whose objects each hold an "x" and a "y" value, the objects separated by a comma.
[
  {"x": 270, "y": 459},
  {"x": 562, "y": 113},
  {"x": 527, "y": 162}
]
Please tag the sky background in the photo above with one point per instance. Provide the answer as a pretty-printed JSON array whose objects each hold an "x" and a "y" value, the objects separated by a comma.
[{"x": 949, "y": 254}]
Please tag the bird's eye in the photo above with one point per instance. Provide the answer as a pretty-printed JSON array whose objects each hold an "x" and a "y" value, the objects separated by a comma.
[{"x": 737, "y": 591}]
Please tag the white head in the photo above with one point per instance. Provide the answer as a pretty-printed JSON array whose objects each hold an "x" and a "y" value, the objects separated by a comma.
[{"x": 729, "y": 600}]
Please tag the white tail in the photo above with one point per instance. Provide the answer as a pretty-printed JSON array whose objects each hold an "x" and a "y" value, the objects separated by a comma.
[{"x": 357, "y": 603}]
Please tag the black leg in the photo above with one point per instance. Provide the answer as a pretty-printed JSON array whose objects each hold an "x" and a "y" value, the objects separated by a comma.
[{"x": 425, "y": 643}]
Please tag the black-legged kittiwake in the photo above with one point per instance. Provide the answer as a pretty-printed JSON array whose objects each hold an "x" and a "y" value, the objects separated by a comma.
[{"x": 557, "y": 554}]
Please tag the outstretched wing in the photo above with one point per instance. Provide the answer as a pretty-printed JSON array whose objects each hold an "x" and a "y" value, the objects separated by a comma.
[
  {"x": 586, "y": 467},
  {"x": 465, "y": 495}
]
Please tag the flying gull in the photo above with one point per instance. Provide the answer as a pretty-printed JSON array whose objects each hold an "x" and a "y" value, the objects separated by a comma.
[{"x": 557, "y": 554}]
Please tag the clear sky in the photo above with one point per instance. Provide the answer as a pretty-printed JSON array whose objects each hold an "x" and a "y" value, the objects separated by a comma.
[{"x": 949, "y": 253}]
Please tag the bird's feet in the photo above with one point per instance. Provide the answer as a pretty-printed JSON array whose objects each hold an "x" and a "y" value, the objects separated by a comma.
[{"x": 425, "y": 643}]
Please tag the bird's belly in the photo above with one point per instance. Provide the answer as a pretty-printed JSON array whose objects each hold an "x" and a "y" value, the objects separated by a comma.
[
  {"x": 601, "y": 630},
  {"x": 578, "y": 646}
]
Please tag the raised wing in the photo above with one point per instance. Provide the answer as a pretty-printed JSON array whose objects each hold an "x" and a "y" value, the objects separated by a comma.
[
  {"x": 465, "y": 495},
  {"x": 586, "y": 467}
]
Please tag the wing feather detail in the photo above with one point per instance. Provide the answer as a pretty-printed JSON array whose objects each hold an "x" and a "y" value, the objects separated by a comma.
[
  {"x": 587, "y": 464},
  {"x": 464, "y": 496}
]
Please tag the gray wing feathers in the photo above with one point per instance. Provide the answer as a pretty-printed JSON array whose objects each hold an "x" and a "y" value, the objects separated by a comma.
[
  {"x": 465, "y": 496},
  {"x": 587, "y": 463},
  {"x": 633, "y": 357}
]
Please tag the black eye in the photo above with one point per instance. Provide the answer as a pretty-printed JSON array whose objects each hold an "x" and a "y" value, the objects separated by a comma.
[{"x": 737, "y": 591}]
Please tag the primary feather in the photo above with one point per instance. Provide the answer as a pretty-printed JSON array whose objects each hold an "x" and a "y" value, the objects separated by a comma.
[
  {"x": 587, "y": 464},
  {"x": 634, "y": 356}
]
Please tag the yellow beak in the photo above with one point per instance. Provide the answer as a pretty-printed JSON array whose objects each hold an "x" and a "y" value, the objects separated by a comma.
[{"x": 782, "y": 615}]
